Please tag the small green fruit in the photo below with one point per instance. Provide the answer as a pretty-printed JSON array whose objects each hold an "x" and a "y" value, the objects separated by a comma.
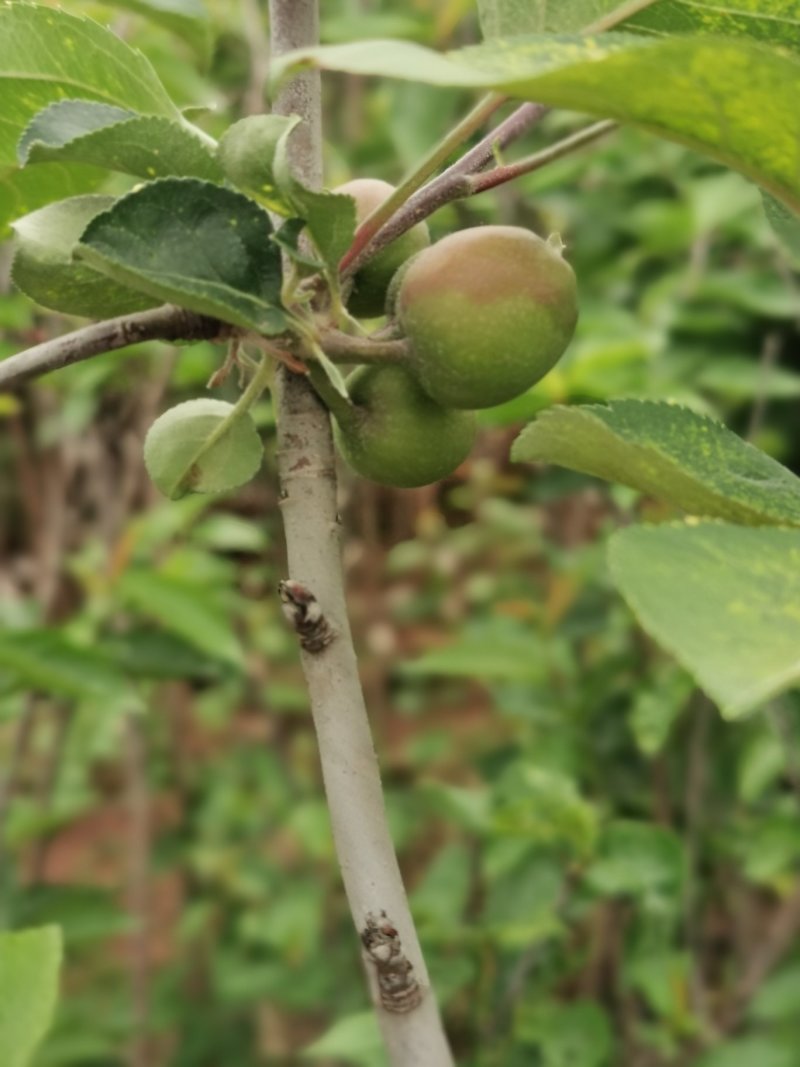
[
  {"x": 368, "y": 297},
  {"x": 396, "y": 435},
  {"x": 488, "y": 312}
]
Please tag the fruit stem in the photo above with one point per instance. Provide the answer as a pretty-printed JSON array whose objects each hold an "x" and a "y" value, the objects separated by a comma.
[
  {"x": 344, "y": 348},
  {"x": 485, "y": 108},
  {"x": 508, "y": 171}
]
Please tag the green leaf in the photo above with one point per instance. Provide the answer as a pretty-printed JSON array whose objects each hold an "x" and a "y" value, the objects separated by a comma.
[
  {"x": 669, "y": 452},
  {"x": 767, "y": 1050},
  {"x": 778, "y": 998},
  {"x": 330, "y": 220},
  {"x": 147, "y": 146},
  {"x": 23, "y": 191},
  {"x": 773, "y": 22},
  {"x": 187, "y": 19},
  {"x": 254, "y": 155},
  {"x": 500, "y": 651},
  {"x": 47, "y": 55},
  {"x": 722, "y": 599},
  {"x": 197, "y": 447},
  {"x": 731, "y": 98},
  {"x": 566, "y": 1035},
  {"x": 48, "y": 662},
  {"x": 637, "y": 858},
  {"x": 184, "y": 609},
  {"x": 786, "y": 225},
  {"x": 247, "y": 152},
  {"x": 30, "y": 961},
  {"x": 194, "y": 244},
  {"x": 355, "y": 1039},
  {"x": 45, "y": 271}
]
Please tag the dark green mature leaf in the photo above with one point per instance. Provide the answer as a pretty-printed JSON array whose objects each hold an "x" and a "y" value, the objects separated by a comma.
[
  {"x": 732, "y": 98},
  {"x": 187, "y": 610},
  {"x": 194, "y": 244},
  {"x": 45, "y": 271},
  {"x": 47, "y": 55},
  {"x": 30, "y": 961},
  {"x": 669, "y": 452},
  {"x": 148, "y": 146},
  {"x": 23, "y": 191},
  {"x": 722, "y": 599},
  {"x": 48, "y": 662},
  {"x": 188, "y": 19},
  {"x": 197, "y": 447}
]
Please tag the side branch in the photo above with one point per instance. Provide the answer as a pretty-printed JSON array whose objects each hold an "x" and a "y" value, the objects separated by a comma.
[
  {"x": 167, "y": 323},
  {"x": 450, "y": 185}
]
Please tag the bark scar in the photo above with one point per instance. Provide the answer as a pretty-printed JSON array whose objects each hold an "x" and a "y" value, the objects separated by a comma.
[
  {"x": 398, "y": 988},
  {"x": 302, "y": 610}
]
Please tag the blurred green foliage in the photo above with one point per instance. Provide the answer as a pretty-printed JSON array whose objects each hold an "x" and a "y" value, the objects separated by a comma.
[{"x": 602, "y": 871}]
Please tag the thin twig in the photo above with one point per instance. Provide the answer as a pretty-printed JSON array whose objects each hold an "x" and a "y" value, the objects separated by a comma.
[
  {"x": 167, "y": 323},
  {"x": 508, "y": 171},
  {"x": 450, "y": 184},
  {"x": 429, "y": 165}
]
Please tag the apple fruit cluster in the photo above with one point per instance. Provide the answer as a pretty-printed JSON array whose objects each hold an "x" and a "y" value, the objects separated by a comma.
[{"x": 487, "y": 312}]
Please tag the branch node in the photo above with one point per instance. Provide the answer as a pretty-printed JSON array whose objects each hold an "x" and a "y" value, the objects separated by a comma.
[
  {"x": 302, "y": 610},
  {"x": 398, "y": 988}
]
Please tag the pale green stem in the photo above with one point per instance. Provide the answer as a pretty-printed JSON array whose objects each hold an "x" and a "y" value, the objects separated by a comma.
[
  {"x": 507, "y": 172},
  {"x": 417, "y": 178}
]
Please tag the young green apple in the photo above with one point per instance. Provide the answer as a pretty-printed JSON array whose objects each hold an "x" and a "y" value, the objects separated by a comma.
[
  {"x": 368, "y": 297},
  {"x": 488, "y": 312},
  {"x": 394, "y": 434}
]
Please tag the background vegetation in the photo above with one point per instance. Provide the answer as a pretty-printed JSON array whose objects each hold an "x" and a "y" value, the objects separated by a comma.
[{"x": 602, "y": 871}]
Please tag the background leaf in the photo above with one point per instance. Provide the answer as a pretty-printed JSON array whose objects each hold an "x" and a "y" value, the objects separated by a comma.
[
  {"x": 187, "y": 19},
  {"x": 30, "y": 961},
  {"x": 185, "y": 609},
  {"x": 194, "y": 244},
  {"x": 722, "y": 599},
  {"x": 49, "y": 662},
  {"x": 669, "y": 452}
]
